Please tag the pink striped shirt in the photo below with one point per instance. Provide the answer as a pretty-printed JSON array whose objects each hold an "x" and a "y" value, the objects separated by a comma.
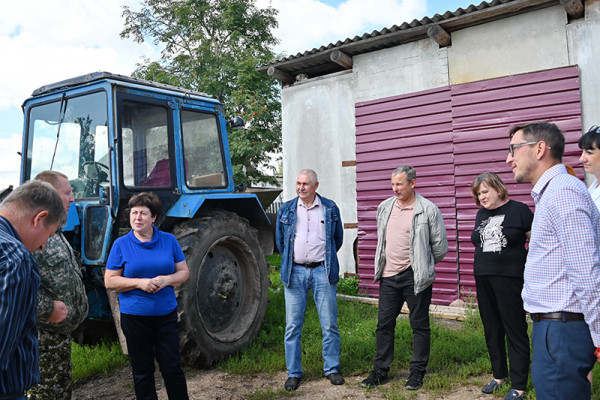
[{"x": 309, "y": 239}]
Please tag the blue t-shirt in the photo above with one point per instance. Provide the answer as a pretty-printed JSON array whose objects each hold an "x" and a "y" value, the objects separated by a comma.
[{"x": 146, "y": 260}]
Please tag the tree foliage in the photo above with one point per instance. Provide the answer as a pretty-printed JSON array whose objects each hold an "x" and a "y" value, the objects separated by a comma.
[{"x": 214, "y": 46}]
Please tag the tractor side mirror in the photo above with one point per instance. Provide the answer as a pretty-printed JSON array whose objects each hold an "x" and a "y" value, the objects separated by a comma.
[{"x": 236, "y": 122}]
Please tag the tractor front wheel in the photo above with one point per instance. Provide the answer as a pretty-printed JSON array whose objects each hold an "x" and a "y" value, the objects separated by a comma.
[{"x": 223, "y": 303}]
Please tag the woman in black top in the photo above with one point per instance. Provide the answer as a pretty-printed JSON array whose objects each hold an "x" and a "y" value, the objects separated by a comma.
[{"x": 502, "y": 227}]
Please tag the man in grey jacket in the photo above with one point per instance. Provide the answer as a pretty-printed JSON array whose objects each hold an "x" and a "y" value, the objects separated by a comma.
[{"x": 411, "y": 240}]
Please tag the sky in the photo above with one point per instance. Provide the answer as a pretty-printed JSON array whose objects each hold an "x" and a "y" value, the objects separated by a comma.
[{"x": 46, "y": 41}]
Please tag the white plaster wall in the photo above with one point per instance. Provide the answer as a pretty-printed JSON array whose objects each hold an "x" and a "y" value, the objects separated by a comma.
[
  {"x": 584, "y": 51},
  {"x": 527, "y": 42},
  {"x": 318, "y": 133},
  {"x": 408, "y": 68}
]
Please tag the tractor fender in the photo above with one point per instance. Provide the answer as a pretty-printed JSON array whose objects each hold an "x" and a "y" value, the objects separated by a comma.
[{"x": 246, "y": 205}]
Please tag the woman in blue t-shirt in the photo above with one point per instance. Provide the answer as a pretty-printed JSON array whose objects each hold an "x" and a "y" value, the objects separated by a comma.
[
  {"x": 143, "y": 267},
  {"x": 502, "y": 227}
]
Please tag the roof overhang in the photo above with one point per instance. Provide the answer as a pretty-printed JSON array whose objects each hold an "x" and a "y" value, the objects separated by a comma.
[{"x": 338, "y": 57}]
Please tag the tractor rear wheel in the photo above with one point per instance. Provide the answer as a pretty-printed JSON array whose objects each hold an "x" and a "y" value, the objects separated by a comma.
[{"x": 223, "y": 303}]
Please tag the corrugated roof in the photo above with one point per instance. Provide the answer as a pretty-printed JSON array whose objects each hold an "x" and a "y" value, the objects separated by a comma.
[{"x": 317, "y": 62}]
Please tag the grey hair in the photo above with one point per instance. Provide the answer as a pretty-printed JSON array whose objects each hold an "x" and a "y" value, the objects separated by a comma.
[
  {"x": 408, "y": 170},
  {"x": 33, "y": 197},
  {"x": 311, "y": 174}
]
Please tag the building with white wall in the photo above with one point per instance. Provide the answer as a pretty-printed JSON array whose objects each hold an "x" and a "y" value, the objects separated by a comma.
[{"x": 439, "y": 94}]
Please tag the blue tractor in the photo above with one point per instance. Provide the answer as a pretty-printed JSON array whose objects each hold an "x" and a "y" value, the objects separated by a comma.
[{"x": 115, "y": 136}]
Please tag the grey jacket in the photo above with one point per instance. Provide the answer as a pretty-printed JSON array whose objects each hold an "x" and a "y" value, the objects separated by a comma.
[{"x": 428, "y": 241}]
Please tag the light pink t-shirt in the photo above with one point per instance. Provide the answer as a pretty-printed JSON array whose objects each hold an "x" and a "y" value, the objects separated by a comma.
[
  {"x": 397, "y": 240},
  {"x": 309, "y": 240}
]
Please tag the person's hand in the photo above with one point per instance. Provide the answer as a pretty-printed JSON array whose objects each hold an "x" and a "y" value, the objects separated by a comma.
[
  {"x": 59, "y": 313},
  {"x": 160, "y": 282},
  {"x": 155, "y": 284},
  {"x": 597, "y": 354},
  {"x": 148, "y": 286}
]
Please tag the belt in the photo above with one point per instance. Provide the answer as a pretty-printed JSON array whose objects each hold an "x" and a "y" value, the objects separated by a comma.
[
  {"x": 311, "y": 265},
  {"x": 557, "y": 316}
]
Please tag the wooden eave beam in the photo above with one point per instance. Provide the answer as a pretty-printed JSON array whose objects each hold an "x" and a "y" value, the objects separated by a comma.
[
  {"x": 574, "y": 8},
  {"x": 342, "y": 59},
  {"x": 280, "y": 75},
  {"x": 439, "y": 34}
]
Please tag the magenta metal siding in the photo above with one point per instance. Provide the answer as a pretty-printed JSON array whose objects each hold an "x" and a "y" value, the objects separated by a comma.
[
  {"x": 413, "y": 129},
  {"x": 450, "y": 135},
  {"x": 482, "y": 113}
]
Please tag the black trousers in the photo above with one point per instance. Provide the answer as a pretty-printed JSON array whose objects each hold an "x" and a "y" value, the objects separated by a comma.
[
  {"x": 149, "y": 337},
  {"x": 503, "y": 316},
  {"x": 393, "y": 292}
]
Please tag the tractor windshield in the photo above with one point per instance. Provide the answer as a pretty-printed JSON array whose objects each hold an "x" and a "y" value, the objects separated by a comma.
[{"x": 69, "y": 135}]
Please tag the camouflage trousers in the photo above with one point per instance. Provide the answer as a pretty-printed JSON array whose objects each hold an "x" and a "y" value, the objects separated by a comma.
[{"x": 55, "y": 368}]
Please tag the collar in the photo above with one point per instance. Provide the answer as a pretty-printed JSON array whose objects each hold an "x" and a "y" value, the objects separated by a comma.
[
  {"x": 10, "y": 228},
  {"x": 316, "y": 203},
  {"x": 545, "y": 179},
  {"x": 408, "y": 207}
]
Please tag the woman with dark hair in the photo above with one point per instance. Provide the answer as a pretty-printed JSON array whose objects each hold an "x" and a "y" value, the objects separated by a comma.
[
  {"x": 502, "y": 227},
  {"x": 143, "y": 267},
  {"x": 589, "y": 144}
]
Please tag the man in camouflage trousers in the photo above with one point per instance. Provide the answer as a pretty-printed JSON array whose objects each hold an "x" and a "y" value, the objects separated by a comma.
[{"x": 61, "y": 306}]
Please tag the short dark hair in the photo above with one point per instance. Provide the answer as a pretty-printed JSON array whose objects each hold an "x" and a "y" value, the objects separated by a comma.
[
  {"x": 492, "y": 181},
  {"x": 146, "y": 199},
  {"x": 546, "y": 132},
  {"x": 33, "y": 197},
  {"x": 590, "y": 139},
  {"x": 408, "y": 170}
]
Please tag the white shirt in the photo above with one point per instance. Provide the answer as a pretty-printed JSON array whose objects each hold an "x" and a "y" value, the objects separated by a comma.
[{"x": 594, "y": 190}]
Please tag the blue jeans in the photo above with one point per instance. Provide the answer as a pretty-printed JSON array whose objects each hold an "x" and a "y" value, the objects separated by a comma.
[
  {"x": 301, "y": 281},
  {"x": 563, "y": 354}
]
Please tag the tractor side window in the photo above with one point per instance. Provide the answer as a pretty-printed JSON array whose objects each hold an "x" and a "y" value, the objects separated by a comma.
[
  {"x": 69, "y": 135},
  {"x": 202, "y": 149},
  {"x": 144, "y": 135}
]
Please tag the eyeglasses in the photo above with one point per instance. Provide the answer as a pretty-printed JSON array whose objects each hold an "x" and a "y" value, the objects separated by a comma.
[{"x": 511, "y": 147}]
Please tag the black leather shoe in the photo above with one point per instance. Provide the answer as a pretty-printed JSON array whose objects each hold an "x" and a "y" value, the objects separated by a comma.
[
  {"x": 415, "y": 380},
  {"x": 291, "y": 384},
  {"x": 373, "y": 380},
  {"x": 514, "y": 395},
  {"x": 336, "y": 379},
  {"x": 491, "y": 387}
]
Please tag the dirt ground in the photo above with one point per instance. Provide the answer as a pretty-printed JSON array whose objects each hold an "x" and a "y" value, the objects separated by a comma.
[{"x": 217, "y": 385}]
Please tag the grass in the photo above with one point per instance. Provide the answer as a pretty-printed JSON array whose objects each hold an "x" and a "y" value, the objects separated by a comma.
[
  {"x": 458, "y": 356},
  {"x": 93, "y": 360}
]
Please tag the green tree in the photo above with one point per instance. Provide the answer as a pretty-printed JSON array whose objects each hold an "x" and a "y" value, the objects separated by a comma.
[{"x": 214, "y": 46}]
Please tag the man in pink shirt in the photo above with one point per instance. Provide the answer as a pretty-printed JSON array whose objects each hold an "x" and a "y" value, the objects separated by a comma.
[
  {"x": 411, "y": 239},
  {"x": 309, "y": 233}
]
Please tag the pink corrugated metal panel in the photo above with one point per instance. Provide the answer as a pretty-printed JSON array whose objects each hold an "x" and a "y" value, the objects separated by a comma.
[
  {"x": 450, "y": 135},
  {"x": 482, "y": 113},
  {"x": 415, "y": 129}
]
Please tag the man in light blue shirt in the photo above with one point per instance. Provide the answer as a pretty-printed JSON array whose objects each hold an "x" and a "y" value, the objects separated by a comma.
[{"x": 562, "y": 273}]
